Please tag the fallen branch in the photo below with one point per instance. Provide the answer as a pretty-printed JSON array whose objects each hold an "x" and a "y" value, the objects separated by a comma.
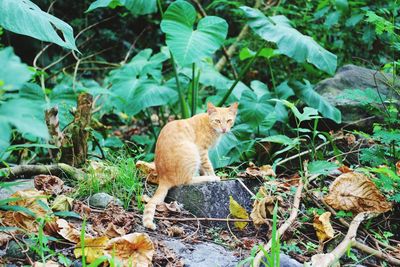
[
  {"x": 27, "y": 171},
  {"x": 326, "y": 260},
  {"x": 285, "y": 226},
  {"x": 376, "y": 253}
]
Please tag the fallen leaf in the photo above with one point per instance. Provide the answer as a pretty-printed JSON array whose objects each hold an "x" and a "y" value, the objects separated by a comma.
[
  {"x": 81, "y": 209},
  {"x": 50, "y": 184},
  {"x": 238, "y": 212},
  {"x": 355, "y": 192},
  {"x": 68, "y": 231},
  {"x": 323, "y": 227},
  {"x": 34, "y": 201},
  {"x": 344, "y": 169},
  {"x": 46, "y": 264},
  {"x": 93, "y": 248},
  {"x": 134, "y": 250},
  {"x": 148, "y": 169},
  {"x": 174, "y": 206},
  {"x": 62, "y": 203},
  {"x": 175, "y": 231},
  {"x": 262, "y": 172},
  {"x": 113, "y": 222},
  {"x": 5, "y": 237},
  {"x": 318, "y": 260},
  {"x": 262, "y": 208},
  {"x": 398, "y": 168},
  {"x": 350, "y": 138},
  {"x": 165, "y": 256}
]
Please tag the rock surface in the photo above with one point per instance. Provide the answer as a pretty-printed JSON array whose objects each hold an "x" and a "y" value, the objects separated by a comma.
[
  {"x": 18, "y": 185},
  {"x": 202, "y": 254},
  {"x": 210, "y": 254},
  {"x": 352, "y": 77},
  {"x": 101, "y": 200},
  {"x": 211, "y": 200}
]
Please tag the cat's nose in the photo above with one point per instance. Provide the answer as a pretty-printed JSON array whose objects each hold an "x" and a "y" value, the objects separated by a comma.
[{"x": 224, "y": 130}]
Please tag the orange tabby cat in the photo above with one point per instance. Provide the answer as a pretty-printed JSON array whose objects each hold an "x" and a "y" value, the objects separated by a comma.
[{"x": 182, "y": 152}]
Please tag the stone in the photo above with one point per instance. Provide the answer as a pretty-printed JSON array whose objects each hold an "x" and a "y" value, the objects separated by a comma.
[
  {"x": 202, "y": 254},
  {"x": 101, "y": 200},
  {"x": 353, "y": 77},
  {"x": 211, "y": 199},
  {"x": 17, "y": 185},
  {"x": 14, "y": 251}
]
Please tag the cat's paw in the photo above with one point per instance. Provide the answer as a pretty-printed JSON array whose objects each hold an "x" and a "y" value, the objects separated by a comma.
[{"x": 151, "y": 226}]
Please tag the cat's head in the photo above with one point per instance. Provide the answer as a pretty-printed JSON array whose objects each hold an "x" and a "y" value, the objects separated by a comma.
[{"x": 222, "y": 119}]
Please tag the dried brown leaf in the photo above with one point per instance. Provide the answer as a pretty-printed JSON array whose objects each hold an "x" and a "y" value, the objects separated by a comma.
[
  {"x": 113, "y": 222},
  {"x": 262, "y": 208},
  {"x": 253, "y": 171},
  {"x": 174, "y": 206},
  {"x": 93, "y": 248},
  {"x": 82, "y": 209},
  {"x": 323, "y": 227},
  {"x": 68, "y": 231},
  {"x": 50, "y": 184},
  {"x": 355, "y": 192},
  {"x": 398, "y": 168},
  {"x": 134, "y": 250},
  {"x": 46, "y": 264},
  {"x": 28, "y": 199},
  {"x": 148, "y": 169},
  {"x": 175, "y": 231},
  {"x": 5, "y": 237}
]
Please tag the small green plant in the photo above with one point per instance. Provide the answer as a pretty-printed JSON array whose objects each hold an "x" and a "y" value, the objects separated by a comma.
[
  {"x": 272, "y": 258},
  {"x": 118, "y": 177}
]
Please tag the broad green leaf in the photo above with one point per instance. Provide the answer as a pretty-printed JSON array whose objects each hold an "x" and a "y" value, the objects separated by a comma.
[
  {"x": 5, "y": 135},
  {"x": 268, "y": 53},
  {"x": 321, "y": 167},
  {"x": 281, "y": 139},
  {"x": 225, "y": 151},
  {"x": 309, "y": 96},
  {"x": 24, "y": 17},
  {"x": 149, "y": 94},
  {"x": 290, "y": 42},
  {"x": 189, "y": 45},
  {"x": 253, "y": 109},
  {"x": 136, "y": 7},
  {"x": 260, "y": 88},
  {"x": 16, "y": 73}
]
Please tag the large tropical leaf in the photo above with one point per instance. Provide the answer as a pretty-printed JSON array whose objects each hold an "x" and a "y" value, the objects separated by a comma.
[
  {"x": 13, "y": 74},
  {"x": 307, "y": 94},
  {"x": 24, "y": 17},
  {"x": 225, "y": 152},
  {"x": 189, "y": 45},
  {"x": 277, "y": 29},
  {"x": 136, "y": 7},
  {"x": 253, "y": 109},
  {"x": 149, "y": 94}
]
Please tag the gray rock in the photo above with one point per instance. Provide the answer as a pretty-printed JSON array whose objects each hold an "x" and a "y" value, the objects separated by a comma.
[
  {"x": 101, "y": 200},
  {"x": 14, "y": 251},
  {"x": 286, "y": 261},
  {"x": 203, "y": 254},
  {"x": 352, "y": 77},
  {"x": 212, "y": 199},
  {"x": 17, "y": 185}
]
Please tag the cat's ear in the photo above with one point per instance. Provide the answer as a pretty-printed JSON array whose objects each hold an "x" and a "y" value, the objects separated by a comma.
[
  {"x": 211, "y": 108},
  {"x": 234, "y": 107}
]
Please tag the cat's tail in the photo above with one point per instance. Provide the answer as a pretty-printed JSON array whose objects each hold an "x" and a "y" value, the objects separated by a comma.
[{"x": 150, "y": 208}]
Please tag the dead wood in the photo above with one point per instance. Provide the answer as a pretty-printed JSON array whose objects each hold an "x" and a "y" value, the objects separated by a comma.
[{"x": 27, "y": 171}]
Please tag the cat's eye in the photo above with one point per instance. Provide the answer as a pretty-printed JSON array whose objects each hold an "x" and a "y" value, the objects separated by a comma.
[
  {"x": 217, "y": 121},
  {"x": 229, "y": 121}
]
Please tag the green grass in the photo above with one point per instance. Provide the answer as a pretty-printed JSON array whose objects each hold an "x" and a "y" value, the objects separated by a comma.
[{"x": 117, "y": 176}]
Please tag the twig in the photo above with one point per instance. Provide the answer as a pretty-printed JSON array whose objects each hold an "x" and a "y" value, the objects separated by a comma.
[
  {"x": 376, "y": 253},
  {"x": 245, "y": 187},
  {"x": 202, "y": 219},
  {"x": 282, "y": 229},
  {"x": 326, "y": 260},
  {"x": 31, "y": 170},
  {"x": 133, "y": 46}
]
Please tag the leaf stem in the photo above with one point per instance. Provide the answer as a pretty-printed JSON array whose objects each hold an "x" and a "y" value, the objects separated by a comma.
[
  {"x": 195, "y": 91},
  {"x": 241, "y": 75},
  {"x": 184, "y": 108}
]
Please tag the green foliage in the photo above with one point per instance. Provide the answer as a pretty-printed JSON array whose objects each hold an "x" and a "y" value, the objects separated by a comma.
[
  {"x": 24, "y": 17},
  {"x": 136, "y": 7},
  {"x": 15, "y": 74},
  {"x": 290, "y": 42},
  {"x": 321, "y": 167},
  {"x": 188, "y": 45}
]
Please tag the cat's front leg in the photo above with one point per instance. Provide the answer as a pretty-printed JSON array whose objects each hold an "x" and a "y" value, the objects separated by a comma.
[{"x": 206, "y": 167}]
